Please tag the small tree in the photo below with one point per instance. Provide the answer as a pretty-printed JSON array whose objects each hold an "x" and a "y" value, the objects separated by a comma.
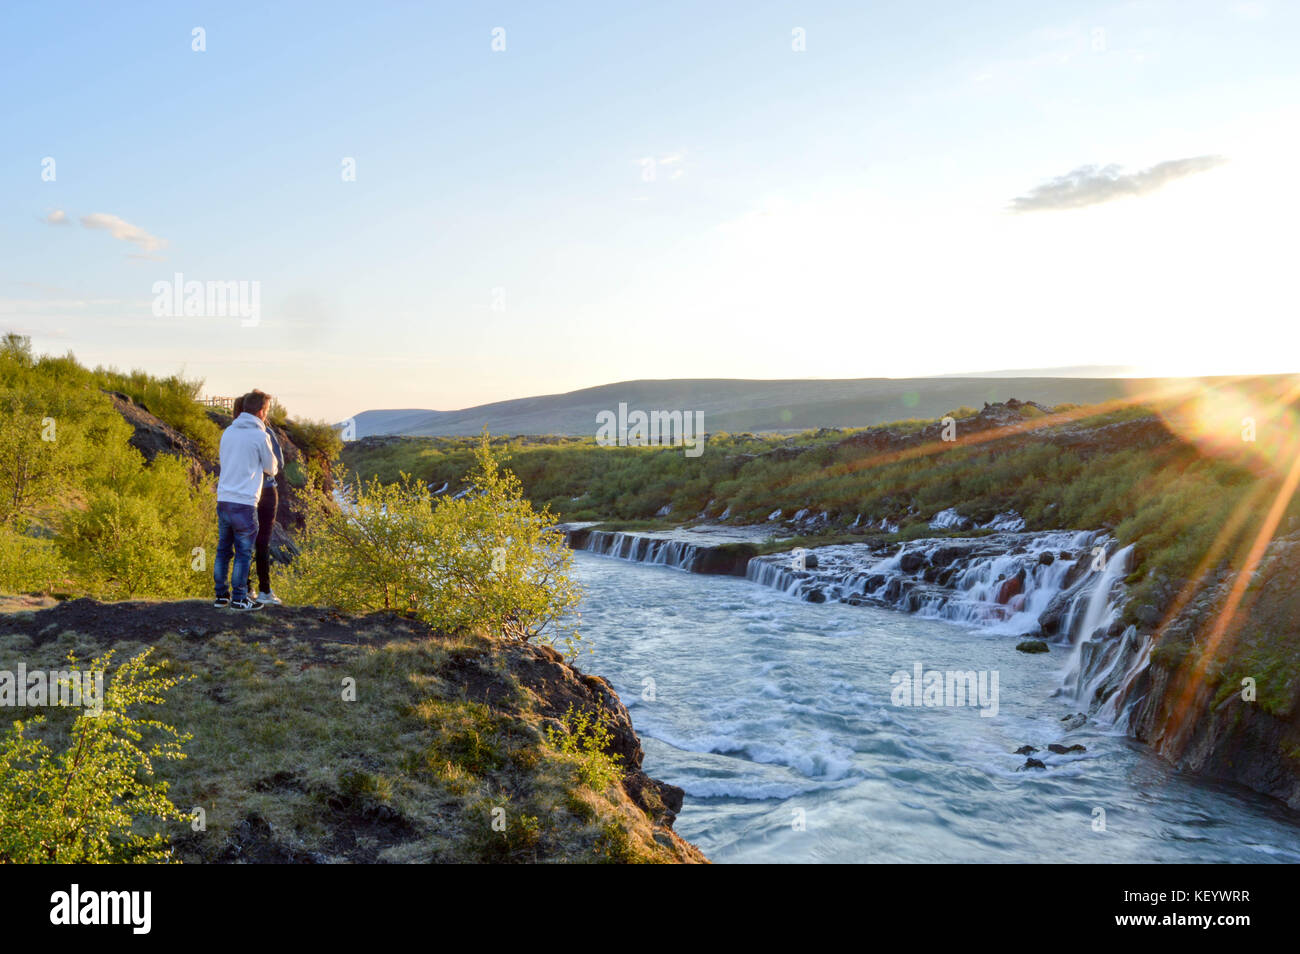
[
  {"x": 485, "y": 560},
  {"x": 89, "y": 803}
]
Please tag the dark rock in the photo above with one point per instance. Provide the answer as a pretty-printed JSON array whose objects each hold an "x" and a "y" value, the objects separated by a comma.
[
  {"x": 1046, "y": 558},
  {"x": 945, "y": 555},
  {"x": 816, "y": 596},
  {"x": 911, "y": 561},
  {"x": 810, "y": 561},
  {"x": 1075, "y": 721},
  {"x": 730, "y": 559},
  {"x": 1032, "y": 646},
  {"x": 1031, "y": 764},
  {"x": 1011, "y": 587},
  {"x": 1065, "y": 750},
  {"x": 1026, "y": 750}
]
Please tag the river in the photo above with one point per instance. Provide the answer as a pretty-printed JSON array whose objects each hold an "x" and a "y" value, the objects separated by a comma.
[{"x": 777, "y": 717}]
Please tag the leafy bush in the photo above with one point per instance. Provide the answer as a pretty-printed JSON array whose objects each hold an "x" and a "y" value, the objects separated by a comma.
[
  {"x": 586, "y": 737},
  {"x": 79, "y": 507},
  {"x": 319, "y": 440},
  {"x": 30, "y": 564},
  {"x": 487, "y": 559},
  {"x": 90, "y": 802}
]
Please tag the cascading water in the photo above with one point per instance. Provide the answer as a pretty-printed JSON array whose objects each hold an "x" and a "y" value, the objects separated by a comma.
[
  {"x": 643, "y": 549},
  {"x": 1009, "y": 583}
]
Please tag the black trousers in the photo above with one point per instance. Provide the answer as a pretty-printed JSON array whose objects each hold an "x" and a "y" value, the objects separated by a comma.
[{"x": 266, "y": 508}]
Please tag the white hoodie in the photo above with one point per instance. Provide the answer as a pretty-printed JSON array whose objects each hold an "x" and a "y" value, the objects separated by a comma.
[{"x": 245, "y": 456}]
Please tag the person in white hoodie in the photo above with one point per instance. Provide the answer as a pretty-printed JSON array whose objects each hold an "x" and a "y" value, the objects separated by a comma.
[{"x": 246, "y": 460}]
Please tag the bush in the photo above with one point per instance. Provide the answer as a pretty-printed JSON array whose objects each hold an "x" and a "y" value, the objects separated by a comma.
[
  {"x": 586, "y": 738},
  {"x": 29, "y": 564},
  {"x": 138, "y": 536},
  {"x": 487, "y": 560},
  {"x": 91, "y": 802}
]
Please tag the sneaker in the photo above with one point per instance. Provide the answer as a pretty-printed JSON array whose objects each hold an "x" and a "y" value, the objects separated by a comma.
[
  {"x": 269, "y": 597},
  {"x": 221, "y": 602},
  {"x": 245, "y": 605}
]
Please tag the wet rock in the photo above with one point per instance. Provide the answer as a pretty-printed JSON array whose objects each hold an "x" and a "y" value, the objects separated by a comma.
[
  {"x": 1031, "y": 764},
  {"x": 1046, "y": 558},
  {"x": 816, "y": 596},
  {"x": 1065, "y": 749},
  {"x": 945, "y": 555},
  {"x": 911, "y": 561},
  {"x": 1075, "y": 721},
  {"x": 1026, "y": 750},
  {"x": 1012, "y": 587},
  {"x": 1032, "y": 646},
  {"x": 1052, "y": 618},
  {"x": 810, "y": 561}
]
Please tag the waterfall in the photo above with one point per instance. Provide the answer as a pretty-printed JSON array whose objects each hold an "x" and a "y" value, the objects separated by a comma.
[
  {"x": 1095, "y": 658},
  {"x": 642, "y": 549},
  {"x": 1013, "y": 583},
  {"x": 1004, "y": 581}
]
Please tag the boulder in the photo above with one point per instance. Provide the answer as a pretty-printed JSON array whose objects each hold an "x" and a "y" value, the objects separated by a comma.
[
  {"x": 1011, "y": 587},
  {"x": 911, "y": 561}
]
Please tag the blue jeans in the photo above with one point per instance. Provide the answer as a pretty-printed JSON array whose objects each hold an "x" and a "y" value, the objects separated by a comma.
[{"x": 236, "y": 531}]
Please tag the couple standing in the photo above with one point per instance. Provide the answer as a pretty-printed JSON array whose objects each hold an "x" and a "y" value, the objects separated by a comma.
[{"x": 246, "y": 502}]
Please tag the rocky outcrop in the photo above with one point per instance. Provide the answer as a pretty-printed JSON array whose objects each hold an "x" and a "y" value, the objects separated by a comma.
[
  {"x": 557, "y": 685},
  {"x": 1230, "y": 710},
  {"x": 151, "y": 436}
]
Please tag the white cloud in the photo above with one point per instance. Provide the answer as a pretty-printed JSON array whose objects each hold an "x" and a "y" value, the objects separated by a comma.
[
  {"x": 121, "y": 229},
  {"x": 1093, "y": 185},
  {"x": 57, "y": 217}
]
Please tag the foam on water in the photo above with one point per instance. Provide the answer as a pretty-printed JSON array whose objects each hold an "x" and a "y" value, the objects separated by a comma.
[{"x": 768, "y": 709}]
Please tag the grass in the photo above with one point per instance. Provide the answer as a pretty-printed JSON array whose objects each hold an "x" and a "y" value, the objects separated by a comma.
[{"x": 416, "y": 769}]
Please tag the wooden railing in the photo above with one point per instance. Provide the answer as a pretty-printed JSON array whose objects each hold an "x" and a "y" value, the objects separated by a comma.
[{"x": 225, "y": 403}]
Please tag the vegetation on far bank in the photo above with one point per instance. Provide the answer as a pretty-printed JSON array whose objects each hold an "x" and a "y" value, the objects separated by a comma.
[{"x": 1180, "y": 503}]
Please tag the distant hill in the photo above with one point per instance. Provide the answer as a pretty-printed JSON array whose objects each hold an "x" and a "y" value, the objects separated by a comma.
[{"x": 737, "y": 405}]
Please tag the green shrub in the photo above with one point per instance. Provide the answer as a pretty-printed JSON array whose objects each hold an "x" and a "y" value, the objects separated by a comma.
[
  {"x": 30, "y": 564},
  {"x": 487, "y": 560},
  {"x": 586, "y": 737},
  {"x": 95, "y": 800}
]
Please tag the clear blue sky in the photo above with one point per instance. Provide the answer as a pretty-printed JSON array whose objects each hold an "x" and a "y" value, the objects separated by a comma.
[{"x": 841, "y": 211}]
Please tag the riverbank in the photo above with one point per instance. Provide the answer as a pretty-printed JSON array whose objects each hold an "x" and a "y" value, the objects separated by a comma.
[{"x": 323, "y": 738}]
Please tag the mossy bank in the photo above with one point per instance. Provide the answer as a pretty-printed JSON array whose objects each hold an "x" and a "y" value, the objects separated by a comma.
[{"x": 322, "y": 738}]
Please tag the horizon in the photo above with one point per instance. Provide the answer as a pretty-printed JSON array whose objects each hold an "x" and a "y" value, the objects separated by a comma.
[{"x": 440, "y": 209}]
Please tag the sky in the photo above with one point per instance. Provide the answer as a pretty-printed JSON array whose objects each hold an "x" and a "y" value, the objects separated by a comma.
[{"x": 441, "y": 205}]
